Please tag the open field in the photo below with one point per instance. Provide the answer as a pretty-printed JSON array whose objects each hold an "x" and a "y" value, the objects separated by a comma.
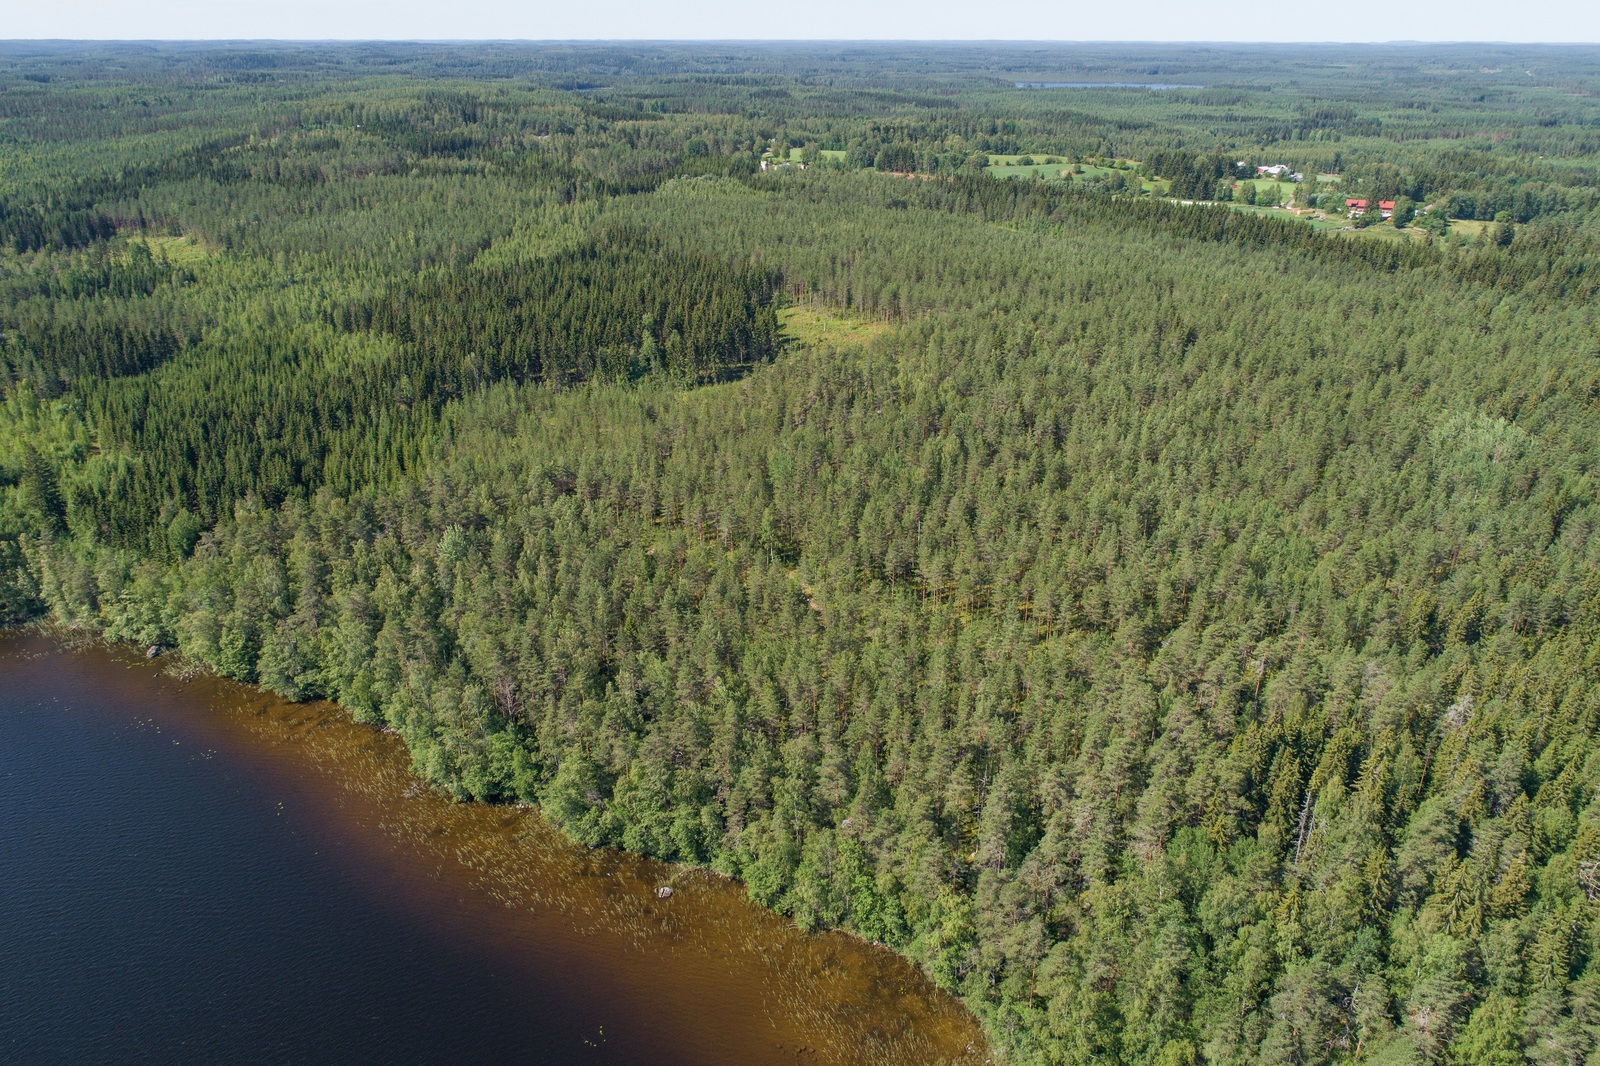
[
  {"x": 1007, "y": 166},
  {"x": 1048, "y": 171},
  {"x": 1335, "y": 223},
  {"x": 179, "y": 251},
  {"x": 1467, "y": 227},
  {"x": 1283, "y": 190},
  {"x": 813, "y": 327},
  {"x": 832, "y": 155}
]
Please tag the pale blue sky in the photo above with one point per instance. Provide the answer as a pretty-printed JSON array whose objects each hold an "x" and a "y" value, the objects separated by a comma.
[{"x": 1064, "y": 20}]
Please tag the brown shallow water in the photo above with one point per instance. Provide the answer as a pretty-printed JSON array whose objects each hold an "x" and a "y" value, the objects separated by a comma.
[{"x": 197, "y": 871}]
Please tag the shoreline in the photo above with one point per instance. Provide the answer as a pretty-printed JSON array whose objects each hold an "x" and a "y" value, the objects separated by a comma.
[{"x": 647, "y": 876}]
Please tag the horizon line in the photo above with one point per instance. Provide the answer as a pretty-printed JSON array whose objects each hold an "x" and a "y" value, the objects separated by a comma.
[{"x": 1399, "y": 42}]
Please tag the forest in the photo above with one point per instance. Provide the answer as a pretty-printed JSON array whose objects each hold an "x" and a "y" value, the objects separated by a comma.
[{"x": 1174, "y": 626}]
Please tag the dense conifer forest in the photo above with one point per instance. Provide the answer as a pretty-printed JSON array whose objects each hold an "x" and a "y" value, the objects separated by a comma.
[{"x": 1176, "y": 626}]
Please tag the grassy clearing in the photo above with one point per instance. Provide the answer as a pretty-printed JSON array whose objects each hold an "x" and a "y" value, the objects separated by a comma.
[
  {"x": 178, "y": 250},
  {"x": 1283, "y": 190},
  {"x": 1038, "y": 157},
  {"x": 835, "y": 155},
  {"x": 1384, "y": 231},
  {"x": 816, "y": 326},
  {"x": 1467, "y": 227},
  {"x": 1006, "y": 166},
  {"x": 1048, "y": 171},
  {"x": 1333, "y": 221},
  {"x": 1340, "y": 224}
]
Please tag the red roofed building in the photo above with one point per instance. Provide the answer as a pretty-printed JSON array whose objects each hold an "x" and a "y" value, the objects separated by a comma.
[
  {"x": 1386, "y": 208},
  {"x": 1355, "y": 208}
]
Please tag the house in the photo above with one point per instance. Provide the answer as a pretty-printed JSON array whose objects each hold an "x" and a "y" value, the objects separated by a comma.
[
  {"x": 1355, "y": 208},
  {"x": 1386, "y": 208},
  {"x": 1277, "y": 170}
]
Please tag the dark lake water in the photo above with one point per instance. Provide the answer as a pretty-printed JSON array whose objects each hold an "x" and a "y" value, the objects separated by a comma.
[{"x": 194, "y": 872}]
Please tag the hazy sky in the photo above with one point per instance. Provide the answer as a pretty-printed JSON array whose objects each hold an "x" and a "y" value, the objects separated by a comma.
[{"x": 1063, "y": 20}]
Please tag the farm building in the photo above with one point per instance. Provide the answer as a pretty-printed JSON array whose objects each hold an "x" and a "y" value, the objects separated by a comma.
[{"x": 1279, "y": 171}]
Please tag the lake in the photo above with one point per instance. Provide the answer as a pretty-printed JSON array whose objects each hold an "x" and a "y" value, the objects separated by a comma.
[{"x": 194, "y": 871}]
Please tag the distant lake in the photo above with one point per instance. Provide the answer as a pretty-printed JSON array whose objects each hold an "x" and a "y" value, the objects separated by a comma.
[
  {"x": 1102, "y": 85},
  {"x": 196, "y": 872}
]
